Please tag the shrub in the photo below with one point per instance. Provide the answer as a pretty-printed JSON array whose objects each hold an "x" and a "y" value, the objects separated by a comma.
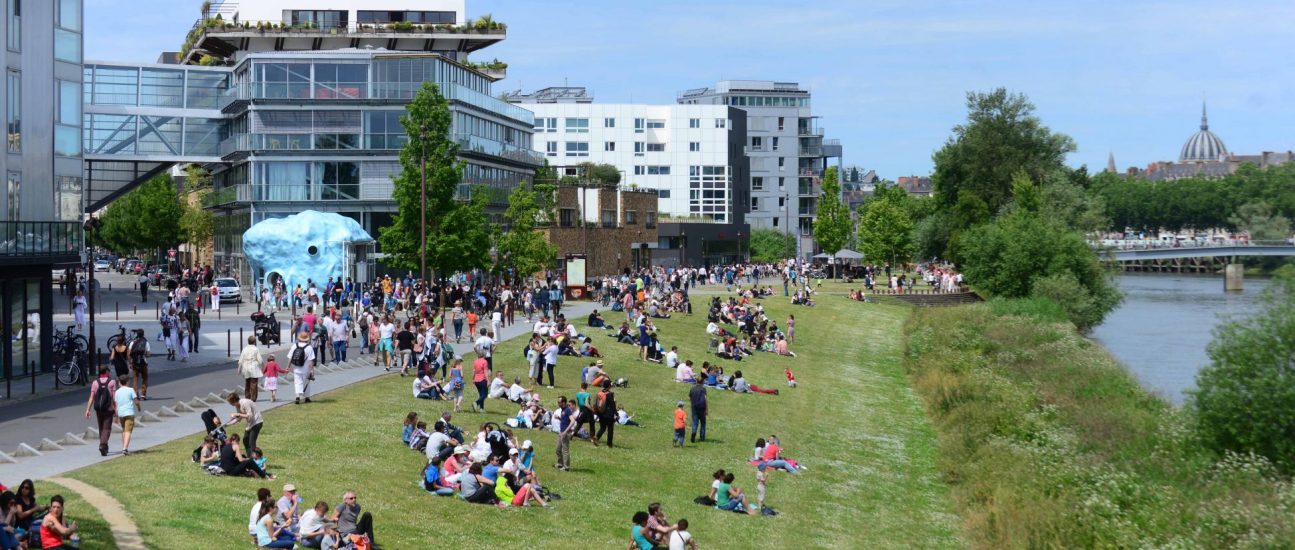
[
  {"x": 1245, "y": 399},
  {"x": 1081, "y": 307}
]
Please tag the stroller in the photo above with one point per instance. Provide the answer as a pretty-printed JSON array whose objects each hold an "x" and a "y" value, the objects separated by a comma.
[
  {"x": 266, "y": 328},
  {"x": 211, "y": 423}
]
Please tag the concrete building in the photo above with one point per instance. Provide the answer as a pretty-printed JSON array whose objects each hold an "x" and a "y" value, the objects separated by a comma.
[
  {"x": 787, "y": 151},
  {"x": 303, "y": 109},
  {"x": 43, "y": 197},
  {"x": 1205, "y": 155}
]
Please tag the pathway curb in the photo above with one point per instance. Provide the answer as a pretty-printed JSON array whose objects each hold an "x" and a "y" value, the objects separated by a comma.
[{"x": 124, "y": 531}]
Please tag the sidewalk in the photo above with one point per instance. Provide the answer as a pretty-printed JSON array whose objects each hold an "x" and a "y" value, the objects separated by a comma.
[{"x": 56, "y": 427}]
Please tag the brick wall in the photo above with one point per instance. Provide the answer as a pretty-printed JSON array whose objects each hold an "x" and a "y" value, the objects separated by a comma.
[{"x": 607, "y": 249}]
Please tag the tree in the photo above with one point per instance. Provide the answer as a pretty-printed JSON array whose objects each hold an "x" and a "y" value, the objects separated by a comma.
[
  {"x": 974, "y": 169},
  {"x": 885, "y": 231},
  {"x": 1262, "y": 222},
  {"x": 832, "y": 223},
  {"x": 1245, "y": 399},
  {"x": 147, "y": 218},
  {"x": 771, "y": 245},
  {"x": 458, "y": 235},
  {"x": 197, "y": 224},
  {"x": 605, "y": 174},
  {"x": 521, "y": 247}
]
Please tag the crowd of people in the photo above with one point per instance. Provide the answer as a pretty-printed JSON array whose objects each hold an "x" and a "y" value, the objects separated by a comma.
[{"x": 26, "y": 523}]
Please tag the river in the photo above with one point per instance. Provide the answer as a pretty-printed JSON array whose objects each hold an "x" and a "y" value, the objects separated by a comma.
[{"x": 1161, "y": 329}]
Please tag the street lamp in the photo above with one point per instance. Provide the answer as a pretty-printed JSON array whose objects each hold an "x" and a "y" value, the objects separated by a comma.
[
  {"x": 91, "y": 224},
  {"x": 422, "y": 248},
  {"x": 683, "y": 247},
  {"x": 739, "y": 247}
]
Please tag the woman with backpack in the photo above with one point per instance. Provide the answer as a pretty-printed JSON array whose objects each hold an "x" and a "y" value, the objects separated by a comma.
[
  {"x": 101, "y": 400},
  {"x": 605, "y": 408}
]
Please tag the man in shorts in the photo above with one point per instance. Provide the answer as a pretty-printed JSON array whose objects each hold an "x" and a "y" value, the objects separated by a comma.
[{"x": 127, "y": 404}]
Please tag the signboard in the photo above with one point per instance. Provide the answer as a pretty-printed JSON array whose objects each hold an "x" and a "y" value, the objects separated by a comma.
[
  {"x": 170, "y": 253},
  {"x": 576, "y": 289}
]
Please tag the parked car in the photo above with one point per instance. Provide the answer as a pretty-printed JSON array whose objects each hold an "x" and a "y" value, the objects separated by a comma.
[
  {"x": 229, "y": 290},
  {"x": 102, "y": 265}
]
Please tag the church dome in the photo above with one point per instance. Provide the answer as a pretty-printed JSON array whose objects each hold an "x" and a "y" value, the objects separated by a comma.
[{"x": 1203, "y": 146}]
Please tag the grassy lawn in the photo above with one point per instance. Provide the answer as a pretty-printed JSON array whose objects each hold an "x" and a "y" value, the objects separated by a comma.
[
  {"x": 94, "y": 531},
  {"x": 872, "y": 480}
]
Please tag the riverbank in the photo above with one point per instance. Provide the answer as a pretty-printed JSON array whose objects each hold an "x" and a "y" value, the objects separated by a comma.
[{"x": 1047, "y": 441}]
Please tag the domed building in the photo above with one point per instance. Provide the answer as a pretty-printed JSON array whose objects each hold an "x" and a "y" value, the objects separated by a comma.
[{"x": 1203, "y": 146}]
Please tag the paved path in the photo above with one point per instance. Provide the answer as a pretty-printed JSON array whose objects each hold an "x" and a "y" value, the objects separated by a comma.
[
  {"x": 123, "y": 527},
  {"x": 61, "y": 418}
]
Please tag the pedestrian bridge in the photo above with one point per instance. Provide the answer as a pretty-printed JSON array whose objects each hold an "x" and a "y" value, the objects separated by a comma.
[{"x": 1180, "y": 251}]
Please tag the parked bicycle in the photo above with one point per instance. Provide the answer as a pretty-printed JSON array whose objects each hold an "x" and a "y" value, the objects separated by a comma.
[
  {"x": 72, "y": 370},
  {"x": 69, "y": 342},
  {"x": 119, "y": 337}
]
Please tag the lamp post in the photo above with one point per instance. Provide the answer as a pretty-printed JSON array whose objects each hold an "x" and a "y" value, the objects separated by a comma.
[
  {"x": 739, "y": 248},
  {"x": 91, "y": 224},
  {"x": 422, "y": 248},
  {"x": 683, "y": 248}
]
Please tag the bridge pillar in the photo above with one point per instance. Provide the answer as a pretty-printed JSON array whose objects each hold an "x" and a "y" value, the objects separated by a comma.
[{"x": 1233, "y": 275}]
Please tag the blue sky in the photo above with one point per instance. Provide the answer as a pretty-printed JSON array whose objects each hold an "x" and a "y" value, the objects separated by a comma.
[{"x": 889, "y": 77}]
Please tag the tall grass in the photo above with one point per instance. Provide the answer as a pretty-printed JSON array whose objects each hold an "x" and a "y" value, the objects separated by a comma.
[{"x": 1048, "y": 442}]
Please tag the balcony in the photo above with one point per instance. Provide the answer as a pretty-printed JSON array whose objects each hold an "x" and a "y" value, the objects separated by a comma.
[
  {"x": 223, "y": 197},
  {"x": 53, "y": 241},
  {"x": 811, "y": 151},
  {"x": 353, "y": 91},
  {"x": 812, "y": 130},
  {"x": 476, "y": 144},
  {"x": 223, "y": 39}
]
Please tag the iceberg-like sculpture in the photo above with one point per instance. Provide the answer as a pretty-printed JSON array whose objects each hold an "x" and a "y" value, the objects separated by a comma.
[{"x": 307, "y": 246}]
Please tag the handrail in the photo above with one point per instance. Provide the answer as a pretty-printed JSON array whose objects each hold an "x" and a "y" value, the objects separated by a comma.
[
  {"x": 28, "y": 239},
  {"x": 347, "y": 91},
  {"x": 1119, "y": 245},
  {"x": 271, "y": 26}
]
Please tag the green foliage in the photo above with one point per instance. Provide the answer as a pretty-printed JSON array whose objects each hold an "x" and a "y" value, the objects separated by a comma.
[
  {"x": 1047, "y": 442},
  {"x": 1080, "y": 305},
  {"x": 1195, "y": 203},
  {"x": 521, "y": 247},
  {"x": 1025, "y": 195},
  {"x": 1262, "y": 222},
  {"x": 771, "y": 245},
  {"x": 1245, "y": 399},
  {"x": 196, "y": 178},
  {"x": 832, "y": 223},
  {"x": 885, "y": 230},
  {"x": 1001, "y": 137},
  {"x": 145, "y": 219},
  {"x": 197, "y": 225},
  {"x": 210, "y": 61},
  {"x": 458, "y": 235},
  {"x": 1041, "y": 309},
  {"x": 1006, "y": 257},
  {"x": 605, "y": 174}
]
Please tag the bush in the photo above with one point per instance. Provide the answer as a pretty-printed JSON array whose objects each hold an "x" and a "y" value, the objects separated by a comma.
[
  {"x": 771, "y": 245},
  {"x": 1040, "y": 309},
  {"x": 1079, "y": 304},
  {"x": 1245, "y": 399}
]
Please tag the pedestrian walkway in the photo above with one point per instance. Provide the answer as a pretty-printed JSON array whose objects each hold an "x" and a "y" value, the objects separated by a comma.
[
  {"x": 124, "y": 532},
  {"x": 51, "y": 436}
]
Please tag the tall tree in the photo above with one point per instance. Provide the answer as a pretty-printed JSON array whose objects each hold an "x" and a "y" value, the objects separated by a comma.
[
  {"x": 147, "y": 218},
  {"x": 885, "y": 230},
  {"x": 521, "y": 247},
  {"x": 771, "y": 245},
  {"x": 1262, "y": 222},
  {"x": 832, "y": 223},
  {"x": 974, "y": 170},
  {"x": 458, "y": 235}
]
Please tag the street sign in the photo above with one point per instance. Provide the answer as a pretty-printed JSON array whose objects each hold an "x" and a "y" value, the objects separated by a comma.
[{"x": 170, "y": 253}]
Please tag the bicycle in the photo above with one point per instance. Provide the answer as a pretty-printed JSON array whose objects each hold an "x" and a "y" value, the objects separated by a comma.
[
  {"x": 71, "y": 372},
  {"x": 119, "y": 337},
  {"x": 68, "y": 342}
]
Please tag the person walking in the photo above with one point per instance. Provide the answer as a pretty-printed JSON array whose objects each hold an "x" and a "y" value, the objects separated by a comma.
[
  {"x": 215, "y": 299},
  {"x": 567, "y": 414},
  {"x": 127, "y": 402},
  {"x": 251, "y": 366},
  {"x": 245, "y": 409},
  {"x": 302, "y": 361},
  {"x": 170, "y": 332},
  {"x": 118, "y": 356},
  {"x": 143, "y": 287},
  {"x": 102, "y": 401},
  {"x": 79, "y": 304},
  {"x": 195, "y": 322},
  {"x": 480, "y": 379},
  {"x": 140, "y": 350},
  {"x": 605, "y": 406},
  {"x": 700, "y": 408}
]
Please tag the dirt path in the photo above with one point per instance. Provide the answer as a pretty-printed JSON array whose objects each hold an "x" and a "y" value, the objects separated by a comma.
[{"x": 123, "y": 528}]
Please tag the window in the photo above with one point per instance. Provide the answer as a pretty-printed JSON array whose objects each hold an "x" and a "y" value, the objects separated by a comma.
[
  {"x": 14, "y": 10},
  {"x": 708, "y": 194},
  {"x": 782, "y": 182},
  {"x": 549, "y": 124},
  {"x": 629, "y": 217},
  {"x": 638, "y": 148},
  {"x": 14, "y": 194},
  {"x": 656, "y": 147},
  {"x": 337, "y": 141},
  {"x": 382, "y": 130},
  {"x": 161, "y": 88},
  {"x": 662, "y": 194},
  {"x": 609, "y": 122},
  {"x": 324, "y": 19},
  {"x": 609, "y": 218},
  {"x": 775, "y": 142},
  {"x": 577, "y": 148},
  {"x": 638, "y": 125},
  {"x": 640, "y": 170},
  {"x": 721, "y": 123},
  {"x": 757, "y": 142},
  {"x": 338, "y": 180},
  {"x": 694, "y": 123},
  {"x": 67, "y": 119},
  {"x": 775, "y": 222},
  {"x": 365, "y": 16},
  {"x": 780, "y": 124},
  {"x": 577, "y": 125},
  {"x": 282, "y": 80},
  {"x": 658, "y": 170},
  {"x": 551, "y": 148},
  {"x": 694, "y": 146},
  {"x": 609, "y": 146},
  {"x": 655, "y": 124},
  {"x": 782, "y": 162},
  {"x": 650, "y": 219},
  {"x": 782, "y": 202},
  {"x": 67, "y": 45},
  {"x": 566, "y": 217},
  {"x": 13, "y": 111},
  {"x": 757, "y": 183},
  {"x": 341, "y": 80},
  {"x": 68, "y": 193},
  {"x": 755, "y": 203}
]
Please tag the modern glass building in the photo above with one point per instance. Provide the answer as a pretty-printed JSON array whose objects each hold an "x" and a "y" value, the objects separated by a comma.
[{"x": 42, "y": 198}]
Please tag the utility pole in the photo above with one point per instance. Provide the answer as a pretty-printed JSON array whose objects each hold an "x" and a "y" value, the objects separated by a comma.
[{"x": 91, "y": 224}]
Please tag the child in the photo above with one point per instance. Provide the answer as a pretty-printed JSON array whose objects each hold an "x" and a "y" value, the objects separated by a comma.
[
  {"x": 258, "y": 457},
  {"x": 791, "y": 378},
  {"x": 623, "y": 418},
  {"x": 680, "y": 422},
  {"x": 272, "y": 376},
  {"x": 472, "y": 323},
  {"x": 411, "y": 420},
  {"x": 419, "y": 437},
  {"x": 760, "y": 477}
]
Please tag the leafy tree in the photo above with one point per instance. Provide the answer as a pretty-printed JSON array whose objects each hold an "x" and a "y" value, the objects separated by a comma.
[
  {"x": 885, "y": 231},
  {"x": 1245, "y": 399},
  {"x": 147, "y": 218},
  {"x": 974, "y": 169},
  {"x": 458, "y": 235},
  {"x": 771, "y": 245},
  {"x": 605, "y": 174},
  {"x": 521, "y": 247},
  {"x": 1262, "y": 222},
  {"x": 832, "y": 223}
]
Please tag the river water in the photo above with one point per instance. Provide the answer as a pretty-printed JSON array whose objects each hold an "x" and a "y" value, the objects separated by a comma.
[{"x": 1161, "y": 329}]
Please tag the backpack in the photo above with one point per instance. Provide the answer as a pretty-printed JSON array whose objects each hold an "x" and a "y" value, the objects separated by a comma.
[
  {"x": 298, "y": 355},
  {"x": 103, "y": 397},
  {"x": 608, "y": 409},
  {"x": 138, "y": 347}
]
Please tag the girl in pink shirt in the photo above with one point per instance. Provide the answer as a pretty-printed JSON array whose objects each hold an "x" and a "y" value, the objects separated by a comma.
[{"x": 272, "y": 372}]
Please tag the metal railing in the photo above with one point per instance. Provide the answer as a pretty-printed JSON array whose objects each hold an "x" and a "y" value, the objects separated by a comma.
[
  {"x": 1114, "y": 244},
  {"x": 811, "y": 150},
  {"x": 370, "y": 90},
  {"x": 37, "y": 239},
  {"x": 212, "y": 26},
  {"x": 478, "y": 144},
  {"x": 811, "y": 130},
  {"x": 220, "y": 197}
]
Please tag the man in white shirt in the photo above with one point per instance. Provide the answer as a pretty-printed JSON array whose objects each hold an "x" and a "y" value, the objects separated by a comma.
[
  {"x": 337, "y": 334},
  {"x": 484, "y": 346},
  {"x": 672, "y": 358},
  {"x": 498, "y": 388},
  {"x": 301, "y": 359},
  {"x": 497, "y": 321},
  {"x": 518, "y": 394},
  {"x": 541, "y": 327},
  {"x": 439, "y": 444},
  {"x": 311, "y": 527}
]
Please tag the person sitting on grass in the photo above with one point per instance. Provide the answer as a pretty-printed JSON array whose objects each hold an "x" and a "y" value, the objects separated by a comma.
[
  {"x": 53, "y": 527},
  {"x": 732, "y": 499},
  {"x": 740, "y": 385},
  {"x": 624, "y": 336},
  {"x": 771, "y": 457},
  {"x": 680, "y": 538},
  {"x": 684, "y": 373},
  {"x": 258, "y": 457},
  {"x": 477, "y": 488},
  {"x": 11, "y": 535},
  {"x": 658, "y": 526},
  {"x": 234, "y": 463},
  {"x": 418, "y": 438},
  {"x": 425, "y": 387},
  {"x": 432, "y": 480},
  {"x": 596, "y": 320},
  {"x": 519, "y": 394},
  {"x": 267, "y": 533},
  {"x": 498, "y": 388},
  {"x": 588, "y": 349},
  {"x": 311, "y": 528},
  {"x": 351, "y": 522},
  {"x": 262, "y": 495},
  {"x": 209, "y": 455},
  {"x": 623, "y": 418},
  {"x": 639, "y": 531},
  {"x": 780, "y": 347},
  {"x": 407, "y": 431},
  {"x": 526, "y": 491}
]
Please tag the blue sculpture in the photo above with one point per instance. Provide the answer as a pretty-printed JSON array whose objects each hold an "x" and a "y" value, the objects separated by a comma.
[{"x": 307, "y": 246}]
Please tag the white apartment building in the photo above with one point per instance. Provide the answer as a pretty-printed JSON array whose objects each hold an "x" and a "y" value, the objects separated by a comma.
[{"x": 691, "y": 154}]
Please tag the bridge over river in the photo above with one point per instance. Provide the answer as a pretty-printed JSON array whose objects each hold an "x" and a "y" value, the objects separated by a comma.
[{"x": 1190, "y": 256}]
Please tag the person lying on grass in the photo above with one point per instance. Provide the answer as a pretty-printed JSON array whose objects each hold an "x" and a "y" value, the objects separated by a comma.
[
  {"x": 512, "y": 492},
  {"x": 740, "y": 385},
  {"x": 768, "y": 455}
]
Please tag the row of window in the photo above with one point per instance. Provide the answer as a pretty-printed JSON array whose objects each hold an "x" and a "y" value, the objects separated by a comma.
[
  {"x": 327, "y": 19},
  {"x": 67, "y": 28},
  {"x": 767, "y": 101},
  {"x": 67, "y": 115},
  {"x": 581, "y": 125},
  {"x": 567, "y": 218},
  {"x": 755, "y": 203},
  {"x": 581, "y": 148},
  {"x": 757, "y": 183}
]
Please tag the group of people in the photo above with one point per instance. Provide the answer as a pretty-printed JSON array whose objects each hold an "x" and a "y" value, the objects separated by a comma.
[
  {"x": 493, "y": 468},
  {"x": 286, "y": 522},
  {"x": 25, "y": 523}
]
